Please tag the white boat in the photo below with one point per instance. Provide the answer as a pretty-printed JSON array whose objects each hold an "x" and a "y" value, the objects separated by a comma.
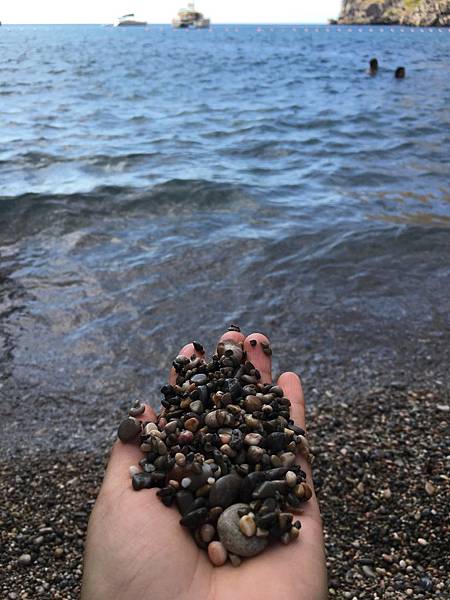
[
  {"x": 129, "y": 21},
  {"x": 189, "y": 17}
]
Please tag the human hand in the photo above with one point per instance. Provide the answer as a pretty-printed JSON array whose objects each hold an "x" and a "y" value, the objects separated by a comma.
[{"x": 136, "y": 549}]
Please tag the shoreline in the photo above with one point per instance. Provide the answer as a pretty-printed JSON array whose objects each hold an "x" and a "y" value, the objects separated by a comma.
[{"x": 379, "y": 474}]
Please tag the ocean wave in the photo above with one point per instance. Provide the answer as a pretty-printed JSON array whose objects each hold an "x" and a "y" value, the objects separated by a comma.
[{"x": 177, "y": 196}]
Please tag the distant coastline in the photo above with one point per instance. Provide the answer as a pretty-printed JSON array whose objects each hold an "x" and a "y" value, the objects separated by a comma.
[{"x": 415, "y": 13}]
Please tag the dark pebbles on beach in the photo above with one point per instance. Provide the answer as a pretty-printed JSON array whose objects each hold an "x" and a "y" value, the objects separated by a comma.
[
  {"x": 223, "y": 452},
  {"x": 393, "y": 441}
]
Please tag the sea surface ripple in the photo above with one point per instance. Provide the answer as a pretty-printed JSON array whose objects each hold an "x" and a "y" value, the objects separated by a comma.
[{"x": 156, "y": 185}]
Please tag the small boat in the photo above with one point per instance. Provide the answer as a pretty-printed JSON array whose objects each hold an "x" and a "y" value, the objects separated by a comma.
[
  {"x": 189, "y": 17},
  {"x": 129, "y": 21}
]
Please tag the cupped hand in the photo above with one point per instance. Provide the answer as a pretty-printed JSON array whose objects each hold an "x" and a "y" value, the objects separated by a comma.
[{"x": 136, "y": 549}]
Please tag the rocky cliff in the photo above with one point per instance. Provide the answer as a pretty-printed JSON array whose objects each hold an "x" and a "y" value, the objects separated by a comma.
[{"x": 422, "y": 13}]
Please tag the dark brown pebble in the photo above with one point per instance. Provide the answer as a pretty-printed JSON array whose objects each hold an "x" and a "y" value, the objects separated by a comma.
[
  {"x": 295, "y": 428},
  {"x": 165, "y": 492},
  {"x": 266, "y": 348},
  {"x": 234, "y": 327},
  {"x": 198, "y": 347},
  {"x": 275, "y": 389},
  {"x": 252, "y": 403},
  {"x": 268, "y": 489},
  {"x": 129, "y": 429},
  {"x": 225, "y": 491},
  {"x": 167, "y": 500},
  {"x": 142, "y": 481},
  {"x": 267, "y": 520},
  {"x": 184, "y": 500},
  {"x": 194, "y": 518},
  {"x": 214, "y": 514},
  {"x": 249, "y": 484},
  {"x": 277, "y": 473},
  {"x": 248, "y": 379},
  {"x": 293, "y": 501},
  {"x": 276, "y": 441},
  {"x": 253, "y": 343}
]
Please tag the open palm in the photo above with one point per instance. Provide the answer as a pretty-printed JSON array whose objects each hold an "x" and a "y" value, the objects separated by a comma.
[{"x": 136, "y": 549}]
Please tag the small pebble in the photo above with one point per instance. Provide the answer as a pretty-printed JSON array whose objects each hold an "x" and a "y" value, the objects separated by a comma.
[
  {"x": 180, "y": 459},
  {"x": 368, "y": 571},
  {"x": 136, "y": 411},
  {"x": 25, "y": 559},
  {"x": 430, "y": 488},
  {"x": 422, "y": 542},
  {"x": 217, "y": 554},
  {"x": 247, "y": 525},
  {"x": 133, "y": 470},
  {"x": 386, "y": 493},
  {"x": 207, "y": 533},
  {"x": 129, "y": 429},
  {"x": 235, "y": 560},
  {"x": 291, "y": 479},
  {"x": 192, "y": 424}
]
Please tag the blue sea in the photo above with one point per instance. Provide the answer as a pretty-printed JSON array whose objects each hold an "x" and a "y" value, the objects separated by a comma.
[{"x": 156, "y": 185}]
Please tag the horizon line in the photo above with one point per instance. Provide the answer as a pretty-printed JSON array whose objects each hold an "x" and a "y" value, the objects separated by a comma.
[{"x": 168, "y": 23}]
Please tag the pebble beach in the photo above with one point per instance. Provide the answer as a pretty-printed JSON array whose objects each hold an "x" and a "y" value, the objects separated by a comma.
[
  {"x": 381, "y": 475},
  {"x": 286, "y": 190}
]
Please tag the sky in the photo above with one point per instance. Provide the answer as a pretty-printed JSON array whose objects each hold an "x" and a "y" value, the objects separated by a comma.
[{"x": 162, "y": 11}]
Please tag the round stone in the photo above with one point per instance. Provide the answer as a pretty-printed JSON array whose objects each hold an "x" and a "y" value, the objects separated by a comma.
[
  {"x": 225, "y": 490},
  {"x": 254, "y": 454},
  {"x": 129, "y": 429},
  {"x": 217, "y": 554},
  {"x": 252, "y": 403},
  {"x": 196, "y": 406},
  {"x": 180, "y": 459},
  {"x": 231, "y": 536},
  {"x": 291, "y": 478},
  {"x": 192, "y": 424},
  {"x": 287, "y": 459},
  {"x": 185, "y": 437},
  {"x": 25, "y": 559},
  {"x": 253, "y": 439}
]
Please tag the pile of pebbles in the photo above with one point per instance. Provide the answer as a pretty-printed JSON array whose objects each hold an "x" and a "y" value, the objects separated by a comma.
[{"x": 223, "y": 451}]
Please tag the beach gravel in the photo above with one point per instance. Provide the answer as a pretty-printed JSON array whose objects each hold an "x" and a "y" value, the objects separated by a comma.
[{"x": 381, "y": 474}]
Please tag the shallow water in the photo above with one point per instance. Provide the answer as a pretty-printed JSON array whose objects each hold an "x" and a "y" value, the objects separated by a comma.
[{"x": 156, "y": 185}]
